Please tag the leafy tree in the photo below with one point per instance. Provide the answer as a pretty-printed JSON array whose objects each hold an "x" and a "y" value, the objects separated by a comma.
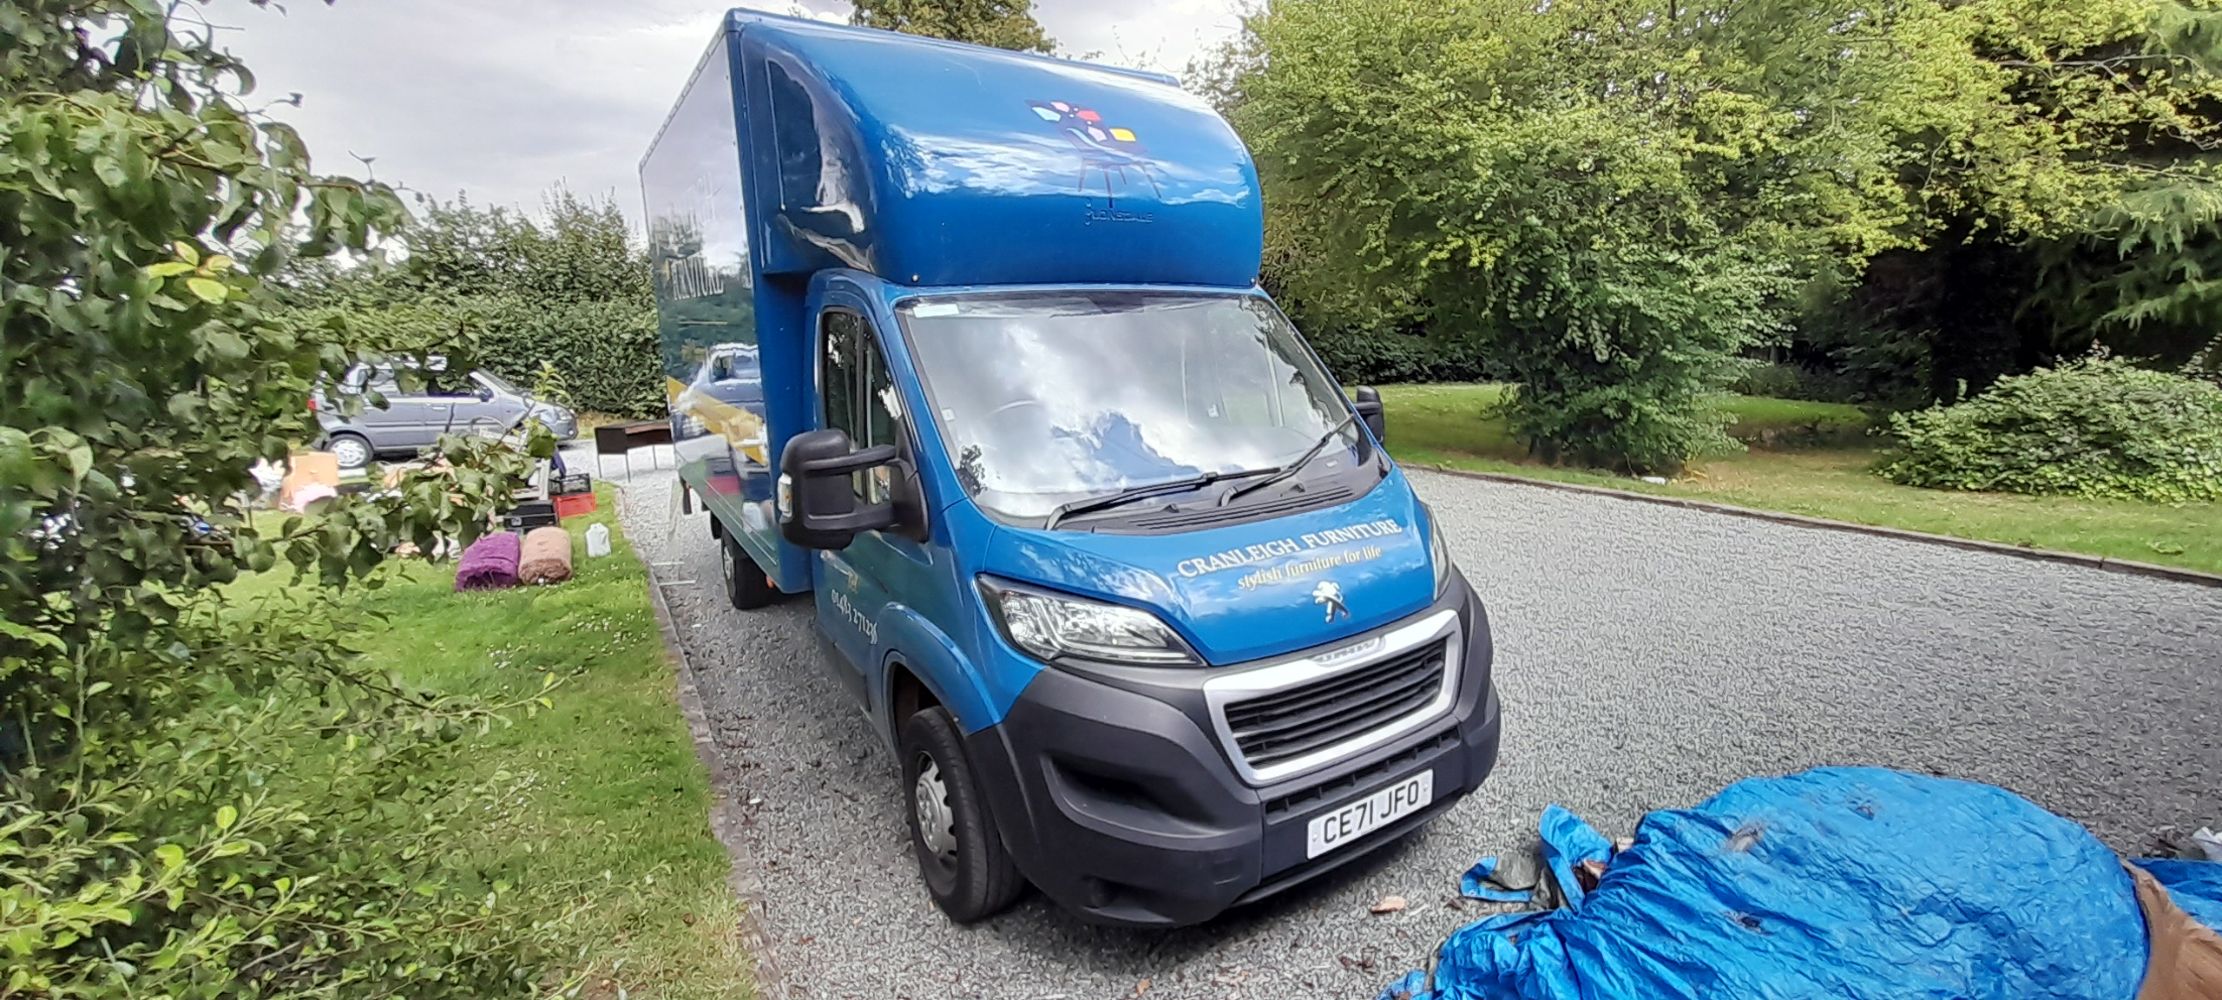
[
  {"x": 1439, "y": 171},
  {"x": 199, "y": 799},
  {"x": 2100, "y": 225},
  {"x": 1543, "y": 178},
  {"x": 1002, "y": 24}
]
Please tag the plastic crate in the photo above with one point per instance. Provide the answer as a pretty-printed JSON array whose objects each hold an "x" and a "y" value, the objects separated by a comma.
[
  {"x": 575, "y": 482},
  {"x": 574, "y": 504}
]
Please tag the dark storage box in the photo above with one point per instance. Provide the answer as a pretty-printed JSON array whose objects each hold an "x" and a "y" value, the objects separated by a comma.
[{"x": 530, "y": 515}]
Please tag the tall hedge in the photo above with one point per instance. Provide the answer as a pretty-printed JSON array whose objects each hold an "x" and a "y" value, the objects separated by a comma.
[
  {"x": 605, "y": 351},
  {"x": 568, "y": 288}
]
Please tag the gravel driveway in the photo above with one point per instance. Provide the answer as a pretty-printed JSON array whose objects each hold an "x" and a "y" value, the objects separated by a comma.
[{"x": 1647, "y": 656}]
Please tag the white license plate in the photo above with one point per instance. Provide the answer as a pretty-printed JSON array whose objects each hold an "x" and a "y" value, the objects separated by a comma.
[{"x": 1386, "y": 805}]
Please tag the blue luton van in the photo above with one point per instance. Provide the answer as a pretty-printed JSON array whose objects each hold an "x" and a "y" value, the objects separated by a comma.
[{"x": 969, "y": 345}]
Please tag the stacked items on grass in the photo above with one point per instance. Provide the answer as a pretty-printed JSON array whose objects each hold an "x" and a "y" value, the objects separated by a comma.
[
  {"x": 573, "y": 494},
  {"x": 505, "y": 559}
]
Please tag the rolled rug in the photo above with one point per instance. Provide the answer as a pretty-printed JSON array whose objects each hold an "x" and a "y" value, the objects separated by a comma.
[
  {"x": 490, "y": 563},
  {"x": 546, "y": 556}
]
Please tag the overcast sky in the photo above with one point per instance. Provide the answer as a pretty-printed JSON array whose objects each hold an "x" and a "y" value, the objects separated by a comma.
[{"x": 503, "y": 98}]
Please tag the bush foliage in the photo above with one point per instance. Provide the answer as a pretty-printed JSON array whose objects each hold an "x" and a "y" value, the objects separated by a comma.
[
  {"x": 2097, "y": 428},
  {"x": 199, "y": 799}
]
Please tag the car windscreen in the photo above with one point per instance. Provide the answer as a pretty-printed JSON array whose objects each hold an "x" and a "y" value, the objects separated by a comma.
[{"x": 499, "y": 383}]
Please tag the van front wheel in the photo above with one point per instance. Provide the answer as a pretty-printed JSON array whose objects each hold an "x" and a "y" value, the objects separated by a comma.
[{"x": 959, "y": 851}]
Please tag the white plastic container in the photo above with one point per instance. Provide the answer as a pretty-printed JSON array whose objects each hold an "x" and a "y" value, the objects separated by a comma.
[{"x": 598, "y": 541}]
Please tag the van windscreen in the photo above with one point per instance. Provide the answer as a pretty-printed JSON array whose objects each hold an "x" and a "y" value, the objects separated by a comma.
[{"x": 1047, "y": 399}]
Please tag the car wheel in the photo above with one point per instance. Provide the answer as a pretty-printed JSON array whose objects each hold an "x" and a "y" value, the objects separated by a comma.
[
  {"x": 960, "y": 852},
  {"x": 352, "y": 451},
  {"x": 745, "y": 583}
]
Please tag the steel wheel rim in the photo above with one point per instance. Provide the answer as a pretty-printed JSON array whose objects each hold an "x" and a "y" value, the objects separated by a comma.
[
  {"x": 351, "y": 453},
  {"x": 937, "y": 823}
]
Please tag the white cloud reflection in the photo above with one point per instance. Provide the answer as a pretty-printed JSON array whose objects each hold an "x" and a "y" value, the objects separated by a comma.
[{"x": 503, "y": 98}]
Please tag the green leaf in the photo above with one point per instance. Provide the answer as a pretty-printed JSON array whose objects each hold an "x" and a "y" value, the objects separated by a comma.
[
  {"x": 208, "y": 290},
  {"x": 170, "y": 856},
  {"x": 16, "y": 630},
  {"x": 186, "y": 252},
  {"x": 168, "y": 269},
  {"x": 225, "y": 817},
  {"x": 227, "y": 345}
]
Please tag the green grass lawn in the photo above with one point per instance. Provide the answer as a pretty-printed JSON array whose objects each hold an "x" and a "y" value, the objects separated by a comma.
[
  {"x": 615, "y": 813},
  {"x": 1814, "y": 459}
]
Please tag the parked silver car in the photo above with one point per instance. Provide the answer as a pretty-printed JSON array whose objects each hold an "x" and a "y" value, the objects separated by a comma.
[{"x": 441, "y": 402}]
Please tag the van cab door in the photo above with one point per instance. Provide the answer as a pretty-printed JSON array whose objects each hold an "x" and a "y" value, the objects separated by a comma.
[{"x": 857, "y": 394}]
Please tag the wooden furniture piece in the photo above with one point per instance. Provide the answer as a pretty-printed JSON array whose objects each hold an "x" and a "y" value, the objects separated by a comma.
[{"x": 623, "y": 438}]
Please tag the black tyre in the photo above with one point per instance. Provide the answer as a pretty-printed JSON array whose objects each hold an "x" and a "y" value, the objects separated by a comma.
[
  {"x": 960, "y": 853},
  {"x": 745, "y": 583},
  {"x": 352, "y": 450}
]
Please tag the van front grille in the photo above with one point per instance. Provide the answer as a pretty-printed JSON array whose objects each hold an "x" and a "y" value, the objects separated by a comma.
[{"x": 1287, "y": 724}]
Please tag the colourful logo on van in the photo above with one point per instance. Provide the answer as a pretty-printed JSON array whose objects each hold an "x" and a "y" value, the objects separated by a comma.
[{"x": 1107, "y": 151}]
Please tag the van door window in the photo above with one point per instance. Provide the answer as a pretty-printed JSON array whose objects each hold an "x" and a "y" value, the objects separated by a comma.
[{"x": 860, "y": 395}]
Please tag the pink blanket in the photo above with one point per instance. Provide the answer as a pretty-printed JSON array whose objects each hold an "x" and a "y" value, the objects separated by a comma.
[{"x": 545, "y": 557}]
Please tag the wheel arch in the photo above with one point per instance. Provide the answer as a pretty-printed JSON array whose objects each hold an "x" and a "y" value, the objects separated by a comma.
[{"x": 919, "y": 665}]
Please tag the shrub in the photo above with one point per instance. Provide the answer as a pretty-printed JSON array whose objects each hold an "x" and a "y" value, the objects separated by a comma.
[
  {"x": 1782, "y": 380},
  {"x": 2098, "y": 428}
]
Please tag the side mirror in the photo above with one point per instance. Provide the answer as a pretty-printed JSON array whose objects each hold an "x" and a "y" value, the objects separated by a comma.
[
  {"x": 484, "y": 394},
  {"x": 1367, "y": 401},
  {"x": 818, "y": 506}
]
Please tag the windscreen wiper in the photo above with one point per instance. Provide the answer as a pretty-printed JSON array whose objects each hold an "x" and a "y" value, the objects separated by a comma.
[
  {"x": 1294, "y": 467},
  {"x": 1126, "y": 496}
]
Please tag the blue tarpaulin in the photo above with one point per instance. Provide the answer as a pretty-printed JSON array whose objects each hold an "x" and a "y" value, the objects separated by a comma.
[{"x": 1846, "y": 883}]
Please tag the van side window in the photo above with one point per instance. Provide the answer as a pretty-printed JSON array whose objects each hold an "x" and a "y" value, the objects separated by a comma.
[{"x": 859, "y": 394}]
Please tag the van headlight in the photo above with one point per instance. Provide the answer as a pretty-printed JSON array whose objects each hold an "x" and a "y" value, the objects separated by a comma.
[
  {"x": 1049, "y": 625},
  {"x": 1438, "y": 554}
]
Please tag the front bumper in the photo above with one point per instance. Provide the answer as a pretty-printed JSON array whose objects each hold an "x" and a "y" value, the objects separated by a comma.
[{"x": 1118, "y": 800}]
